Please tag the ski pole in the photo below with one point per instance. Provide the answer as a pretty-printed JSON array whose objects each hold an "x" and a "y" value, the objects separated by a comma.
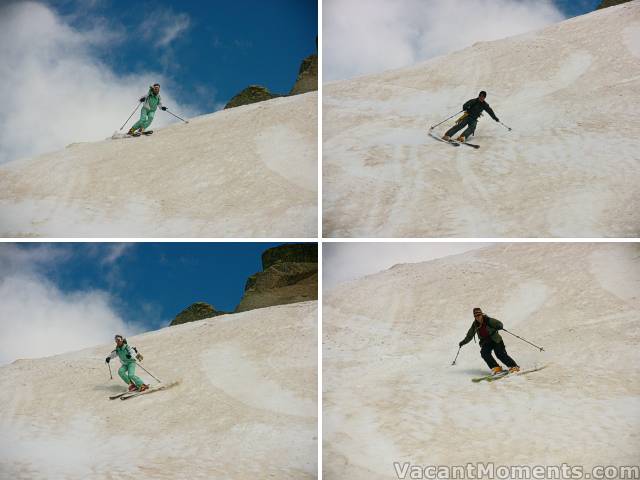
[
  {"x": 137, "y": 106},
  {"x": 149, "y": 373},
  {"x": 454, "y": 360},
  {"x": 539, "y": 348},
  {"x": 110, "y": 375},
  {"x": 185, "y": 121},
  {"x": 508, "y": 128},
  {"x": 457, "y": 113}
]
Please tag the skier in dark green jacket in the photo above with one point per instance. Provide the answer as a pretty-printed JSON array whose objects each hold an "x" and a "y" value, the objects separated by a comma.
[
  {"x": 128, "y": 356},
  {"x": 151, "y": 103},
  {"x": 472, "y": 111},
  {"x": 490, "y": 340}
]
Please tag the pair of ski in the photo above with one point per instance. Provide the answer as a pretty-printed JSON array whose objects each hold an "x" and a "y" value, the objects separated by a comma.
[
  {"x": 498, "y": 376},
  {"x": 137, "y": 134},
  {"x": 117, "y": 136},
  {"x": 136, "y": 393},
  {"x": 452, "y": 142}
]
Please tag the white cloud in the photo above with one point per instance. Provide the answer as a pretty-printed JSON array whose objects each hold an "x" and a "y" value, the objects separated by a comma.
[
  {"x": 164, "y": 26},
  {"x": 38, "y": 319},
  {"x": 115, "y": 251},
  {"x": 343, "y": 262},
  {"x": 55, "y": 90},
  {"x": 369, "y": 36}
]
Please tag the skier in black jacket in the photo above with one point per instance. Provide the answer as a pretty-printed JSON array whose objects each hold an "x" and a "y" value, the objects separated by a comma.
[{"x": 472, "y": 110}]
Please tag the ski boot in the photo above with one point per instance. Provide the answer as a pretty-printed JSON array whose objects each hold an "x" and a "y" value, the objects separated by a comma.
[
  {"x": 460, "y": 139},
  {"x": 131, "y": 131},
  {"x": 514, "y": 369},
  {"x": 496, "y": 370},
  {"x": 132, "y": 387},
  {"x": 446, "y": 138},
  {"x": 143, "y": 387}
]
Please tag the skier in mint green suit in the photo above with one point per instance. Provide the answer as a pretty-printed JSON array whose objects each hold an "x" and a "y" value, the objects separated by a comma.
[
  {"x": 151, "y": 103},
  {"x": 127, "y": 371}
]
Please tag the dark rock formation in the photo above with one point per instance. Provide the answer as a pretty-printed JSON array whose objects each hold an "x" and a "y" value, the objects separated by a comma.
[
  {"x": 307, "y": 80},
  {"x": 290, "y": 275},
  {"x": 251, "y": 94},
  {"x": 196, "y": 311},
  {"x": 610, "y": 3}
]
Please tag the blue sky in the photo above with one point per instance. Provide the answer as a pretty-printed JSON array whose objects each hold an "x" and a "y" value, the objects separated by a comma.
[
  {"x": 213, "y": 48},
  {"x": 572, "y": 8},
  {"x": 152, "y": 282},
  {"x": 57, "y": 297}
]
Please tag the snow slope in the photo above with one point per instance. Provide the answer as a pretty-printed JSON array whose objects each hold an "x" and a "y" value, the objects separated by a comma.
[
  {"x": 249, "y": 171},
  {"x": 245, "y": 405},
  {"x": 569, "y": 168},
  {"x": 391, "y": 394}
]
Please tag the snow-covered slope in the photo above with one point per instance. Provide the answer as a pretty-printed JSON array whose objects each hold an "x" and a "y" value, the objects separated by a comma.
[
  {"x": 244, "y": 407},
  {"x": 391, "y": 394},
  {"x": 569, "y": 168},
  {"x": 249, "y": 171}
]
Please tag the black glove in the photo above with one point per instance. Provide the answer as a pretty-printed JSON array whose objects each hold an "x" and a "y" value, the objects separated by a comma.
[
  {"x": 497, "y": 119},
  {"x": 108, "y": 359},
  {"x": 163, "y": 108},
  {"x": 142, "y": 99},
  {"x": 461, "y": 344}
]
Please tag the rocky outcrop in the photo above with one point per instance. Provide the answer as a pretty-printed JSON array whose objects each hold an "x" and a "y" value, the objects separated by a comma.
[
  {"x": 307, "y": 80},
  {"x": 289, "y": 275},
  {"x": 196, "y": 311},
  {"x": 251, "y": 94},
  {"x": 610, "y": 3}
]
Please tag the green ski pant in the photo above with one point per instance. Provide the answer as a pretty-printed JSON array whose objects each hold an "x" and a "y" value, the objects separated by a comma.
[
  {"x": 146, "y": 117},
  {"x": 128, "y": 374}
]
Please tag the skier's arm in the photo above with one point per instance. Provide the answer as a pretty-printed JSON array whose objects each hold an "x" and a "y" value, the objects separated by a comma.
[
  {"x": 488, "y": 109},
  {"x": 162, "y": 107},
  {"x": 132, "y": 352},
  {"x": 470, "y": 334},
  {"x": 113, "y": 354},
  {"x": 143, "y": 99},
  {"x": 467, "y": 105},
  {"x": 495, "y": 323}
]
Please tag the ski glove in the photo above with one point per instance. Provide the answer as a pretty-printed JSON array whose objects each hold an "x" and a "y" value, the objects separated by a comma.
[
  {"x": 497, "y": 119},
  {"x": 142, "y": 99},
  {"x": 107, "y": 360},
  {"x": 139, "y": 357},
  {"x": 461, "y": 344},
  {"x": 163, "y": 108}
]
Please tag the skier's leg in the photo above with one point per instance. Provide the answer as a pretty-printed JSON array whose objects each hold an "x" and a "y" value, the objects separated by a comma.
[
  {"x": 132, "y": 374},
  {"x": 457, "y": 127},
  {"x": 148, "y": 120},
  {"x": 485, "y": 352},
  {"x": 503, "y": 356},
  {"x": 122, "y": 371},
  {"x": 471, "y": 128},
  {"x": 144, "y": 113}
]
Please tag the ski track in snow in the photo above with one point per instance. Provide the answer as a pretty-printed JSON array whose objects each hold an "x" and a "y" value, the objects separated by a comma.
[
  {"x": 56, "y": 421},
  {"x": 569, "y": 168},
  {"x": 391, "y": 395},
  {"x": 249, "y": 171}
]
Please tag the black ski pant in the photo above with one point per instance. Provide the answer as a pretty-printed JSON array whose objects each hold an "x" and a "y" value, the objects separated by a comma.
[
  {"x": 470, "y": 123},
  {"x": 501, "y": 352}
]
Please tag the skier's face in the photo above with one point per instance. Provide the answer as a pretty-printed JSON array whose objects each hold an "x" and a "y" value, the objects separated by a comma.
[
  {"x": 156, "y": 89},
  {"x": 481, "y": 98},
  {"x": 119, "y": 342},
  {"x": 478, "y": 316}
]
